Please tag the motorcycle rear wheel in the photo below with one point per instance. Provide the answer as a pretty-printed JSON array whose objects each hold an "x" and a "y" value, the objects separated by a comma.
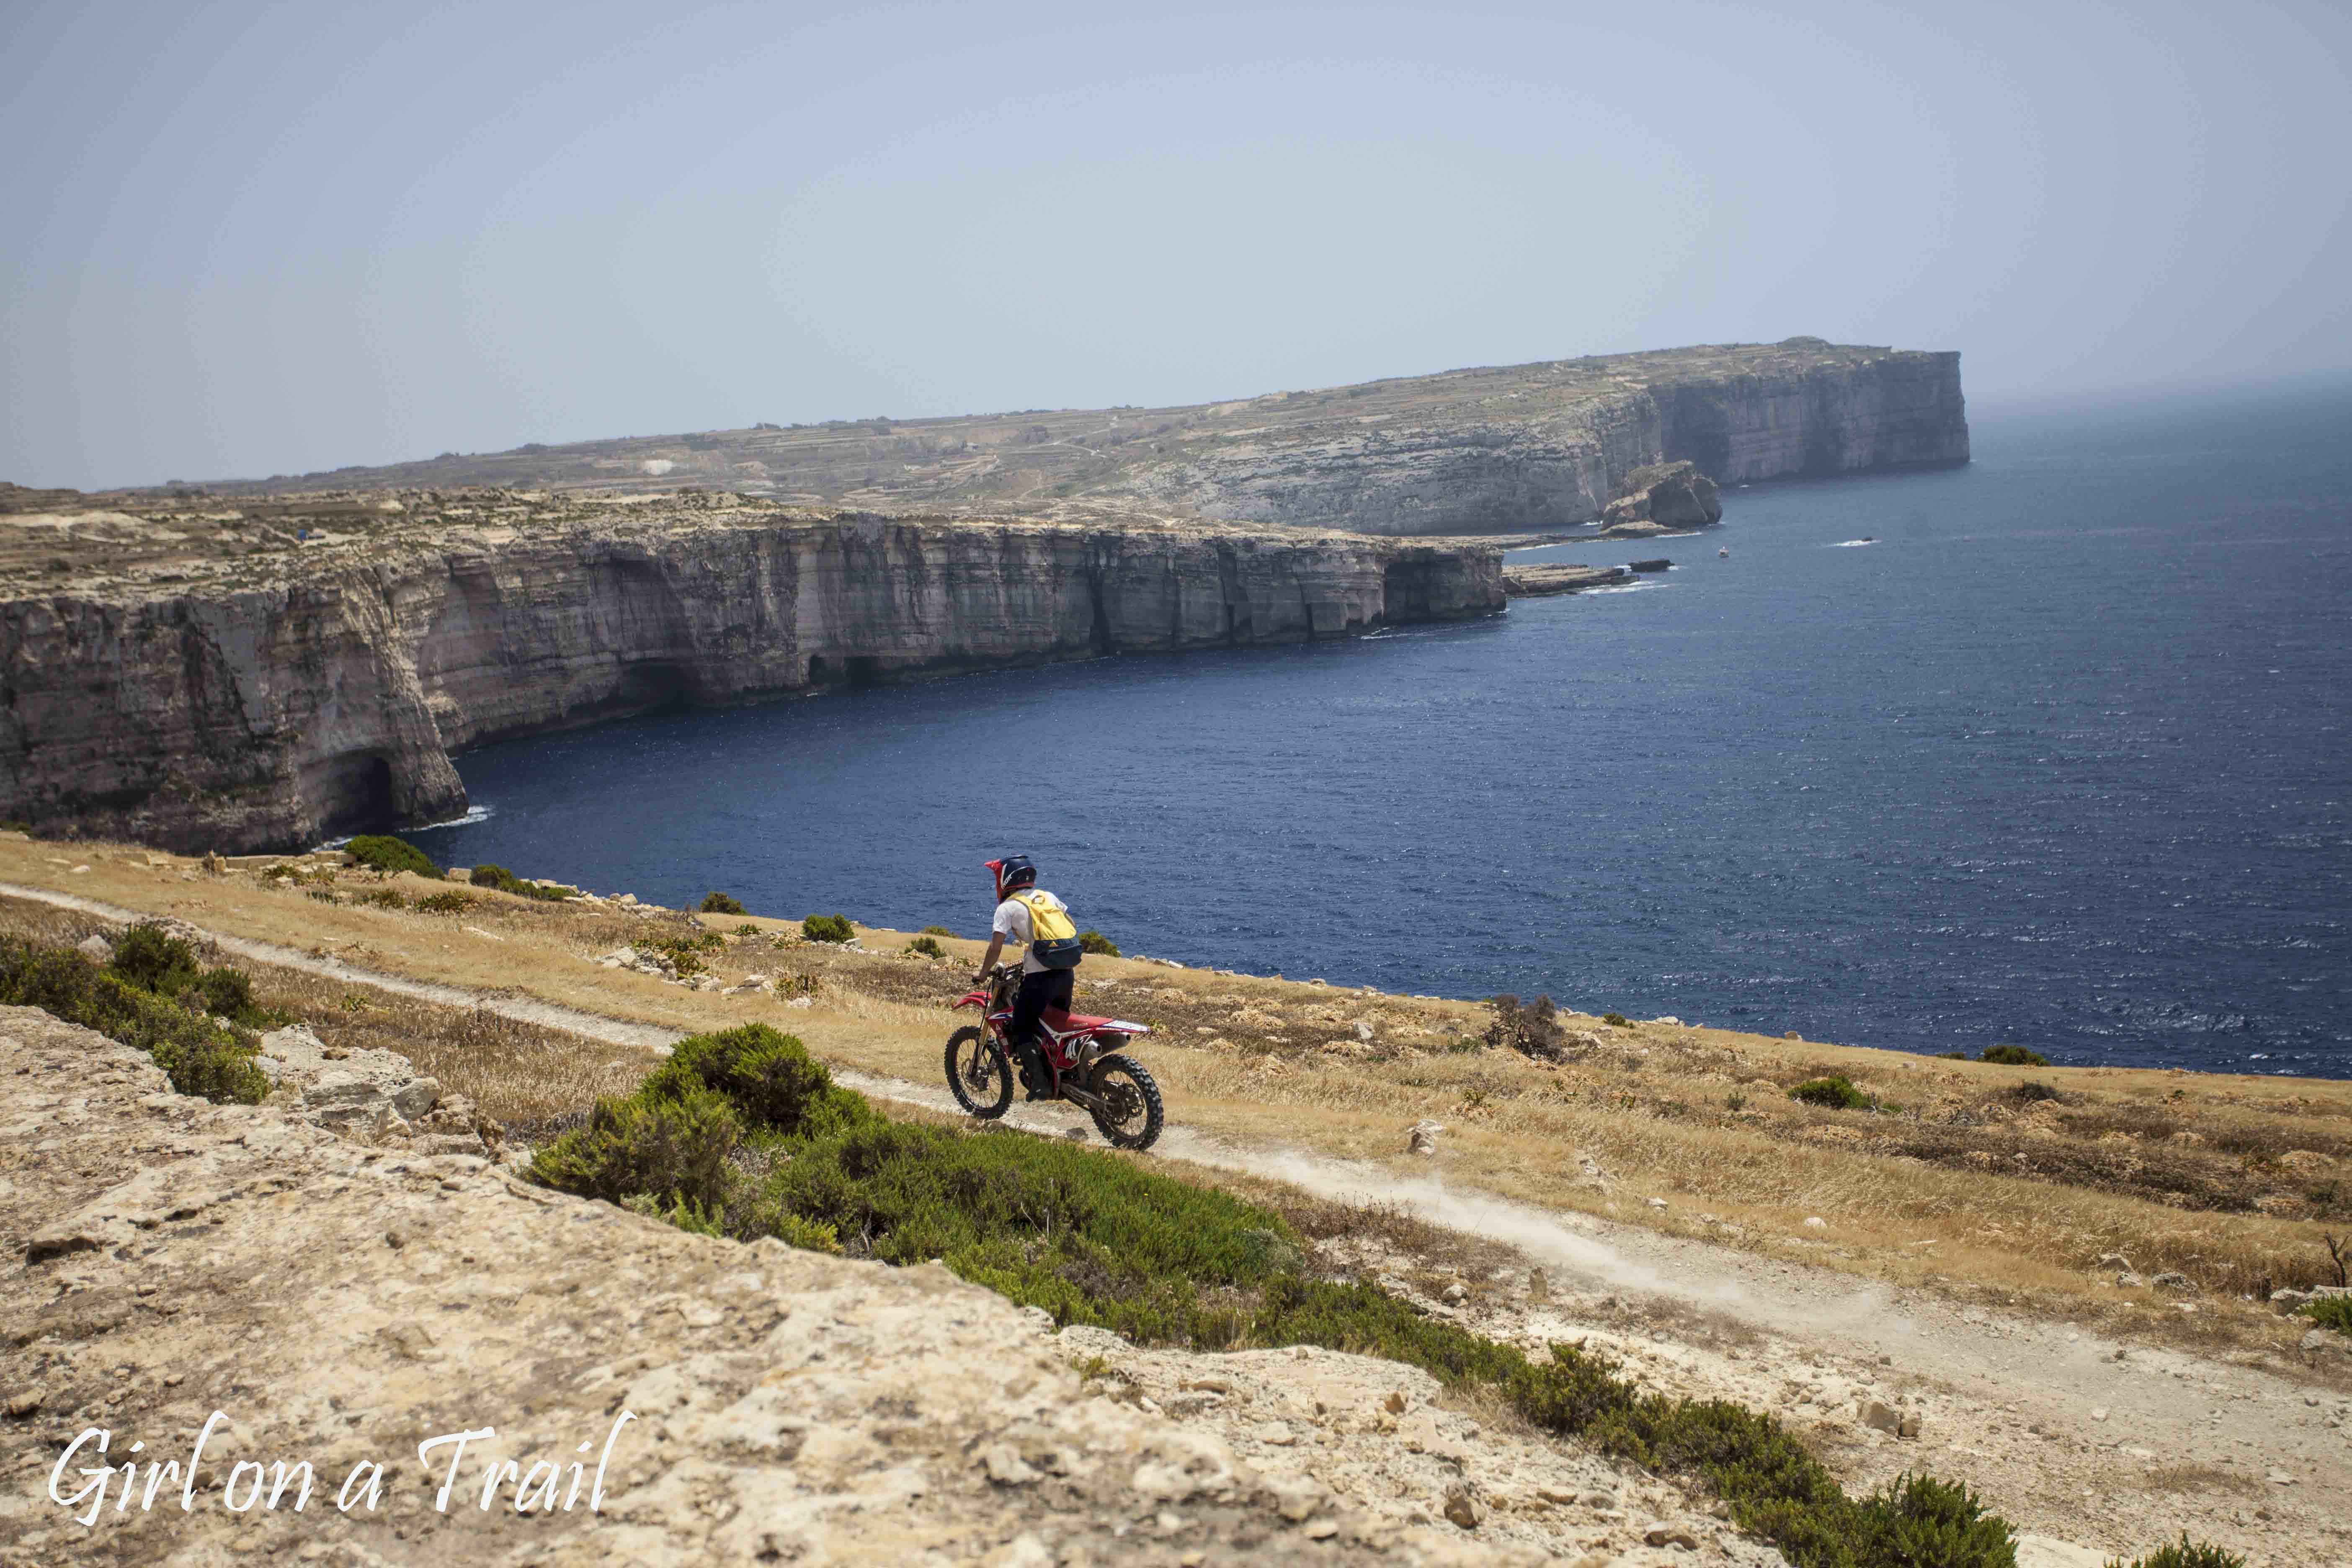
[
  {"x": 1131, "y": 1113},
  {"x": 979, "y": 1074}
]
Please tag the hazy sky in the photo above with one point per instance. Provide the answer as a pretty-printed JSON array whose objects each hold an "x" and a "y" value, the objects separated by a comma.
[{"x": 245, "y": 240}]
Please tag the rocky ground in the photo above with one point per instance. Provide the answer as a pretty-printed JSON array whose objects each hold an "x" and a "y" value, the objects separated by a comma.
[{"x": 342, "y": 1302}]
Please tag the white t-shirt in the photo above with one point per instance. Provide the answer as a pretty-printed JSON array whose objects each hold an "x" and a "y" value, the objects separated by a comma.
[{"x": 1012, "y": 923}]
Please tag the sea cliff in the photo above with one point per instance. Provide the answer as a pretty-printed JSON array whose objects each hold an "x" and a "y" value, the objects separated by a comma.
[
  {"x": 1481, "y": 450},
  {"x": 186, "y": 694}
]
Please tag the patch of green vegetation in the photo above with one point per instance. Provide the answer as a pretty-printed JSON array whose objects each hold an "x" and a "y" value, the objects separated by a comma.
[
  {"x": 506, "y": 881},
  {"x": 925, "y": 947},
  {"x": 1837, "y": 1092},
  {"x": 2183, "y": 1553},
  {"x": 742, "y": 1134},
  {"x": 2013, "y": 1057},
  {"x": 382, "y": 852},
  {"x": 384, "y": 899},
  {"x": 2032, "y": 1091},
  {"x": 2331, "y": 1313},
  {"x": 1616, "y": 1020},
  {"x": 827, "y": 928},
  {"x": 1094, "y": 942},
  {"x": 937, "y": 931},
  {"x": 174, "y": 1028},
  {"x": 718, "y": 903},
  {"x": 747, "y": 928},
  {"x": 450, "y": 903}
]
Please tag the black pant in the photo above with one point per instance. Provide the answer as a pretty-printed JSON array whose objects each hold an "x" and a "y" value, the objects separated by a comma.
[{"x": 1046, "y": 988}]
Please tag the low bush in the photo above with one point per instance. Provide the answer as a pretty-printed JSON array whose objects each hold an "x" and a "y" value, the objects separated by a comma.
[
  {"x": 672, "y": 1147},
  {"x": 937, "y": 931},
  {"x": 384, "y": 899},
  {"x": 747, "y": 928},
  {"x": 2183, "y": 1553},
  {"x": 198, "y": 1054},
  {"x": 1094, "y": 942},
  {"x": 450, "y": 903},
  {"x": 2331, "y": 1313},
  {"x": 716, "y": 903},
  {"x": 1532, "y": 1030},
  {"x": 152, "y": 959},
  {"x": 382, "y": 852},
  {"x": 770, "y": 1079},
  {"x": 926, "y": 947},
  {"x": 1836, "y": 1092},
  {"x": 506, "y": 881},
  {"x": 2032, "y": 1091},
  {"x": 827, "y": 928},
  {"x": 1617, "y": 1020},
  {"x": 2013, "y": 1057}
]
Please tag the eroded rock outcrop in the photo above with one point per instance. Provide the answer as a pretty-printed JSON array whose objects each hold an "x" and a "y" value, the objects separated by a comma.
[
  {"x": 263, "y": 701},
  {"x": 1660, "y": 497},
  {"x": 339, "y": 1305}
]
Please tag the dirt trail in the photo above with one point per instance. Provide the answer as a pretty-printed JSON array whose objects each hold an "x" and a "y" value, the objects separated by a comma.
[{"x": 2073, "y": 1436}]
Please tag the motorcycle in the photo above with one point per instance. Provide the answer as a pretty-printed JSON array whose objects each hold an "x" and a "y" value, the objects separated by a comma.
[{"x": 1086, "y": 1064}]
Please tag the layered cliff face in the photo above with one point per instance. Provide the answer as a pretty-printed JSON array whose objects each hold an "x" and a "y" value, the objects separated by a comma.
[
  {"x": 266, "y": 705},
  {"x": 1469, "y": 451}
]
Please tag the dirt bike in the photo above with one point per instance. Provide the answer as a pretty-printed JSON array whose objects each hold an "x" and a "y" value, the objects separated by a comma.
[{"x": 1084, "y": 1065}]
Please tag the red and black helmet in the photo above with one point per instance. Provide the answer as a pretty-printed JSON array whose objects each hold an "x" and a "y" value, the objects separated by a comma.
[{"x": 1012, "y": 872}]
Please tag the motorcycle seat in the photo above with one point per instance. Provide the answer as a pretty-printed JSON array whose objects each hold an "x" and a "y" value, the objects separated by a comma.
[{"x": 1062, "y": 1023}]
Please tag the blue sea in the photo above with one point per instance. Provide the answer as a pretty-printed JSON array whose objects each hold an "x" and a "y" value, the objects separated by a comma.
[{"x": 2060, "y": 758}]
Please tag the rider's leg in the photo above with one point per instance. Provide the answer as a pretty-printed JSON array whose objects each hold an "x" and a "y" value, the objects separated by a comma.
[{"x": 1028, "y": 1005}]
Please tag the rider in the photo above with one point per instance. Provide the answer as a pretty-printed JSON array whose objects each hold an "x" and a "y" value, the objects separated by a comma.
[{"x": 1045, "y": 982}]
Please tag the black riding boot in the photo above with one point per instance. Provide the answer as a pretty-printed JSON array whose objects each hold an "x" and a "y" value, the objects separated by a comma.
[{"x": 1034, "y": 1077}]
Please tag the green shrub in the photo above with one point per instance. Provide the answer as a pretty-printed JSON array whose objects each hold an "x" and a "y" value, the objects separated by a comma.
[
  {"x": 747, "y": 928},
  {"x": 154, "y": 959},
  {"x": 1952, "y": 1056},
  {"x": 1616, "y": 1020},
  {"x": 1836, "y": 1092},
  {"x": 2331, "y": 1313},
  {"x": 768, "y": 1078},
  {"x": 2031, "y": 1090},
  {"x": 382, "y": 852},
  {"x": 2013, "y": 1057},
  {"x": 926, "y": 947},
  {"x": 506, "y": 881},
  {"x": 937, "y": 931},
  {"x": 384, "y": 899},
  {"x": 2183, "y": 1553},
  {"x": 1094, "y": 942},
  {"x": 672, "y": 1148},
  {"x": 716, "y": 904},
  {"x": 450, "y": 903},
  {"x": 1532, "y": 1030},
  {"x": 196, "y": 1054},
  {"x": 827, "y": 928}
]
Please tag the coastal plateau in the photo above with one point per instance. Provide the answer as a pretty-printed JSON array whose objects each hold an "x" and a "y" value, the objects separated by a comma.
[
  {"x": 203, "y": 676},
  {"x": 1545, "y": 445}
]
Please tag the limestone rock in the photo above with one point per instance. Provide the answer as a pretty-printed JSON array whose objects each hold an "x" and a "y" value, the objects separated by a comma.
[
  {"x": 1421, "y": 1138},
  {"x": 261, "y": 713},
  {"x": 1663, "y": 496},
  {"x": 95, "y": 948},
  {"x": 780, "y": 1406}
]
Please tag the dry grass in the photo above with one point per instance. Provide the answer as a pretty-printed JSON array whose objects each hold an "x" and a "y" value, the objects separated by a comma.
[
  {"x": 2200, "y": 1479},
  {"x": 2230, "y": 1180}
]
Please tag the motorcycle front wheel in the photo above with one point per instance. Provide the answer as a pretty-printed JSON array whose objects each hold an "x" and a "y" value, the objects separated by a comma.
[
  {"x": 1130, "y": 1114},
  {"x": 979, "y": 1073}
]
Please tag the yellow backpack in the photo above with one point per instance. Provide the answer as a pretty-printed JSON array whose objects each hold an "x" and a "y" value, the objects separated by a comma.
[{"x": 1053, "y": 939}]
